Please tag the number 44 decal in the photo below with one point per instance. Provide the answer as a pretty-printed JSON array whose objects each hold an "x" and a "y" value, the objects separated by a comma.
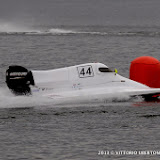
[{"x": 85, "y": 71}]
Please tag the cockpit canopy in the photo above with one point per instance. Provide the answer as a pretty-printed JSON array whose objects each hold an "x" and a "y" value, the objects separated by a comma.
[
  {"x": 104, "y": 69},
  {"x": 101, "y": 68}
]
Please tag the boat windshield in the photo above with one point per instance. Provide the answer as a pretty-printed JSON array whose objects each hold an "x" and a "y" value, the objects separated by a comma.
[{"x": 104, "y": 69}]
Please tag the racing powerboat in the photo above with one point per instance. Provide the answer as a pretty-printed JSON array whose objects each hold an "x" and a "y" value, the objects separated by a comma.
[{"x": 88, "y": 82}]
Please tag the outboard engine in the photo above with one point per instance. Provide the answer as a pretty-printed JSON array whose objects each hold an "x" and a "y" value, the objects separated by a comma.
[{"x": 19, "y": 79}]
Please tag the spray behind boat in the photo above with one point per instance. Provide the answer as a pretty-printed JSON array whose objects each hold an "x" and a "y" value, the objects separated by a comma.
[{"x": 19, "y": 79}]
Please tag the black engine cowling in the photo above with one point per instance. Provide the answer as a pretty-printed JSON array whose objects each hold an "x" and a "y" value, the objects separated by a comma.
[{"x": 19, "y": 79}]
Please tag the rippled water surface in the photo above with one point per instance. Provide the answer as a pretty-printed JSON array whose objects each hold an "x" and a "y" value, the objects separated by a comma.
[{"x": 34, "y": 128}]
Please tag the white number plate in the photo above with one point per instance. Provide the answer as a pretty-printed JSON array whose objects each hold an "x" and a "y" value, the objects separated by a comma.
[{"x": 85, "y": 71}]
